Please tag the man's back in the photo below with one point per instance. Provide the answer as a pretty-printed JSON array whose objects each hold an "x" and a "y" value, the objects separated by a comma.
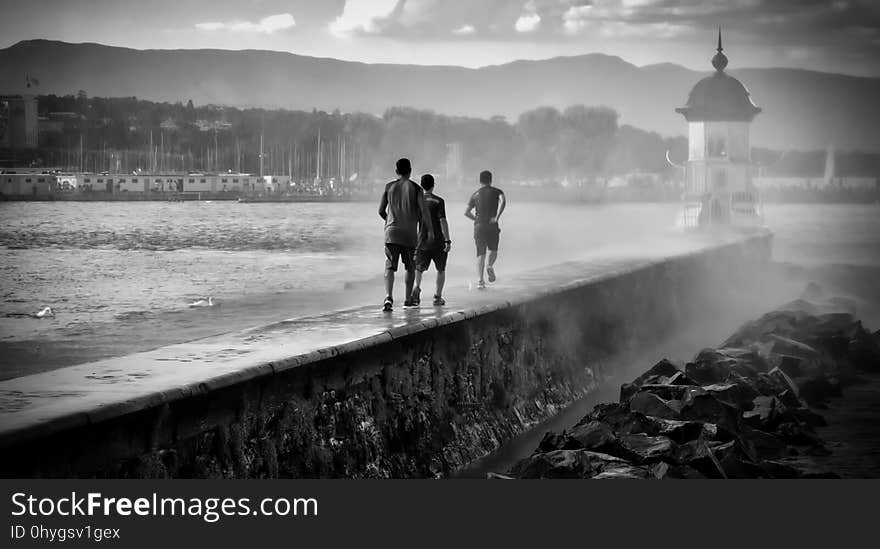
[
  {"x": 437, "y": 211},
  {"x": 485, "y": 204},
  {"x": 405, "y": 202}
]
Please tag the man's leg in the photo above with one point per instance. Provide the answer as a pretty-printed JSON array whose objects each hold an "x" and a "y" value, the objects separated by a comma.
[
  {"x": 480, "y": 241},
  {"x": 391, "y": 258},
  {"x": 408, "y": 258},
  {"x": 441, "y": 280},
  {"x": 421, "y": 265},
  {"x": 389, "y": 283},
  {"x": 410, "y": 278},
  {"x": 417, "y": 285},
  {"x": 493, "y": 255},
  {"x": 492, "y": 243}
]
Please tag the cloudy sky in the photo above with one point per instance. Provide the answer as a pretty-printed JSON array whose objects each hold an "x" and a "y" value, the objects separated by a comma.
[{"x": 831, "y": 35}]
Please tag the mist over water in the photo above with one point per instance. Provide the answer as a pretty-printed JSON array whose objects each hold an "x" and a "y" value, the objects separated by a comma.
[{"x": 120, "y": 276}]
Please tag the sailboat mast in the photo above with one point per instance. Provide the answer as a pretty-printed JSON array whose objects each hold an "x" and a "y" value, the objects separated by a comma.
[{"x": 318, "y": 159}]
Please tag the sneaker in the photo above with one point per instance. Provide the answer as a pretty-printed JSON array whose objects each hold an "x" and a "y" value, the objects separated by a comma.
[
  {"x": 491, "y": 272},
  {"x": 415, "y": 299},
  {"x": 407, "y": 303},
  {"x": 481, "y": 285},
  {"x": 439, "y": 301},
  {"x": 388, "y": 305}
]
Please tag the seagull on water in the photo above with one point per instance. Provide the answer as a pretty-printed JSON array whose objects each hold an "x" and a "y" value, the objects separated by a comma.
[
  {"x": 203, "y": 302},
  {"x": 46, "y": 311}
]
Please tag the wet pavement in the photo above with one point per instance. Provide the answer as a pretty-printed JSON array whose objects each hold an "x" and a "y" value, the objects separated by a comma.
[{"x": 35, "y": 405}]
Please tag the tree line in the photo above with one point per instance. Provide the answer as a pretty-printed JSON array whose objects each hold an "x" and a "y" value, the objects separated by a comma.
[
  {"x": 544, "y": 145},
  {"x": 580, "y": 143}
]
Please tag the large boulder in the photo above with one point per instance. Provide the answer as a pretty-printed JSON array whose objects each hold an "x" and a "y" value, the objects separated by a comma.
[
  {"x": 622, "y": 472},
  {"x": 661, "y": 374},
  {"x": 663, "y": 470},
  {"x": 666, "y": 391},
  {"x": 713, "y": 366},
  {"x": 739, "y": 395},
  {"x": 570, "y": 464},
  {"x": 650, "y": 404},
  {"x": 594, "y": 435},
  {"x": 795, "y": 367},
  {"x": 552, "y": 441},
  {"x": 621, "y": 419},
  {"x": 718, "y": 460},
  {"x": 787, "y": 346},
  {"x": 683, "y": 431},
  {"x": 642, "y": 448},
  {"x": 781, "y": 322},
  {"x": 767, "y": 412},
  {"x": 706, "y": 408}
]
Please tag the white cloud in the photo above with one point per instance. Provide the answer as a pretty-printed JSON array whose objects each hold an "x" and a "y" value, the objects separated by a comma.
[
  {"x": 464, "y": 30},
  {"x": 527, "y": 22},
  {"x": 575, "y": 18},
  {"x": 267, "y": 25},
  {"x": 621, "y": 29},
  {"x": 637, "y": 3},
  {"x": 362, "y": 15}
]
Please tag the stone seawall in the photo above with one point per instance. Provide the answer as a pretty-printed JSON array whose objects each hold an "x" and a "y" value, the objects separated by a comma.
[{"x": 421, "y": 399}]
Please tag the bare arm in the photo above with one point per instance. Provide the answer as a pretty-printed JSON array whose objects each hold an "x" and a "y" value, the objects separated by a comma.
[
  {"x": 502, "y": 203},
  {"x": 447, "y": 241},
  {"x": 383, "y": 205},
  {"x": 469, "y": 212}
]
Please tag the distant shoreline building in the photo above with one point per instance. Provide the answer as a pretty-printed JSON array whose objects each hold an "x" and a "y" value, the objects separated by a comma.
[
  {"x": 718, "y": 179},
  {"x": 19, "y": 125}
]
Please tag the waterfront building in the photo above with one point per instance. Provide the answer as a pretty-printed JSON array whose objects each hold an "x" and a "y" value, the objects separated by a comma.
[
  {"x": 27, "y": 184},
  {"x": 718, "y": 178},
  {"x": 174, "y": 183},
  {"x": 19, "y": 124}
]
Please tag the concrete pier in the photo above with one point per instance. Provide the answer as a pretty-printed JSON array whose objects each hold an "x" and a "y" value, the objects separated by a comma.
[{"x": 358, "y": 393}]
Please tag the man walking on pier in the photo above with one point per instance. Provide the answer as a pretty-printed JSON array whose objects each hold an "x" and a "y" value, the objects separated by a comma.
[
  {"x": 485, "y": 208},
  {"x": 436, "y": 251},
  {"x": 404, "y": 211}
]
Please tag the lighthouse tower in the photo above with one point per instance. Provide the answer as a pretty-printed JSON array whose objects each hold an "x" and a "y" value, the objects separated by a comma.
[{"x": 718, "y": 182}]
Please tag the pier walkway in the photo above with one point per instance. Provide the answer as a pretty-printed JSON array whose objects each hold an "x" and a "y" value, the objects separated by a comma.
[{"x": 37, "y": 406}]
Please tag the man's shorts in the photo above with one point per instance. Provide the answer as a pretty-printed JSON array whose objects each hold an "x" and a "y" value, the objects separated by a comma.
[
  {"x": 393, "y": 252},
  {"x": 425, "y": 257},
  {"x": 486, "y": 237}
]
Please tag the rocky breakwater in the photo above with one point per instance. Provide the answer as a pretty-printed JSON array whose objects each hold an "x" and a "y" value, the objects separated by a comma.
[{"x": 747, "y": 409}]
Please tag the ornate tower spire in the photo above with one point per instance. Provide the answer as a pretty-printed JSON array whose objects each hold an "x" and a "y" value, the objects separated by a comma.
[{"x": 720, "y": 60}]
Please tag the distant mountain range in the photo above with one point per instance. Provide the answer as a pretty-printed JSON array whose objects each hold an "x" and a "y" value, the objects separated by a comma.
[{"x": 802, "y": 109}]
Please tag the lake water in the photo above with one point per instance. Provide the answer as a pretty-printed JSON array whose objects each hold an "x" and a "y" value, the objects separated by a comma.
[{"x": 121, "y": 276}]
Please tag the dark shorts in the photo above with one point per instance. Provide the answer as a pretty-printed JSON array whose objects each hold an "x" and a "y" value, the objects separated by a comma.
[
  {"x": 425, "y": 257},
  {"x": 486, "y": 237},
  {"x": 393, "y": 252}
]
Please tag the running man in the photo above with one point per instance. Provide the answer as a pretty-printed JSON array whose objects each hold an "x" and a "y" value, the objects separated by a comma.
[
  {"x": 436, "y": 250},
  {"x": 485, "y": 208},
  {"x": 403, "y": 209}
]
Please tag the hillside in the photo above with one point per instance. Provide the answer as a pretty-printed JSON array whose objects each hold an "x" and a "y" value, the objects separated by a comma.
[{"x": 802, "y": 109}]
